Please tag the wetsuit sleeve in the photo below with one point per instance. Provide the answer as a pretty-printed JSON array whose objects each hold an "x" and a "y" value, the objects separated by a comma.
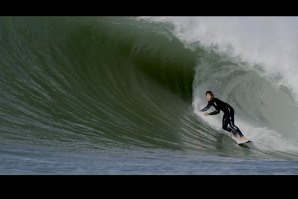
[
  {"x": 215, "y": 112},
  {"x": 206, "y": 108}
]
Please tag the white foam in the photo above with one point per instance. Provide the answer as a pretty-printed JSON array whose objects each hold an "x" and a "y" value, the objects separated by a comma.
[
  {"x": 263, "y": 138},
  {"x": 269, "y": 41}
]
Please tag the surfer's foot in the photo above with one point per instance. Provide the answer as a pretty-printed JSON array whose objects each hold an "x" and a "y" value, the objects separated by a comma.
[{"x": 241, "y": 137}]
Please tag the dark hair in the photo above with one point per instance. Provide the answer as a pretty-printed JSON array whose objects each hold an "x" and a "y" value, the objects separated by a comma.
[{"x": 210, "y": 93}]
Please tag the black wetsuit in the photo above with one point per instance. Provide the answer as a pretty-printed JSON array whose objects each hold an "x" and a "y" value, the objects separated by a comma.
[{"x": 228, "y": 117}]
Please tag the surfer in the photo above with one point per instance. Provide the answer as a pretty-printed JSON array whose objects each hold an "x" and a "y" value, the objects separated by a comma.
[{"x": 228, "y": 117}]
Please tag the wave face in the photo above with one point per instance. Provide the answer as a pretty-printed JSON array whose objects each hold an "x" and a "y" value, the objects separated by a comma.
[
  {"x": 99, "y": 81},
  {"x": 82, "y": 82}
]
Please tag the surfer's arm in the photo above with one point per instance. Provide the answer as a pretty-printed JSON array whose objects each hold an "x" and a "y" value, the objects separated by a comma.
[
  {"x": 206, "y": 108},
  {"x": 215, "y": 112}
]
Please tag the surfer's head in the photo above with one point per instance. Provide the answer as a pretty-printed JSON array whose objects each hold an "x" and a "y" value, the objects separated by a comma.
[{"x": 209, "y": 95}]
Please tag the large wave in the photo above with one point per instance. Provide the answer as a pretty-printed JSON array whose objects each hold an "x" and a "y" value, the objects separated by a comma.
[{"x": 101, "y": 82}]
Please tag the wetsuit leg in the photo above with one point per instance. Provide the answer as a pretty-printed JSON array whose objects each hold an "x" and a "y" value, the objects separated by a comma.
[
  {"x": 229, "y": 125},
  {"x": 232, "y": 124},
  {"x": 225, "y": 123}
]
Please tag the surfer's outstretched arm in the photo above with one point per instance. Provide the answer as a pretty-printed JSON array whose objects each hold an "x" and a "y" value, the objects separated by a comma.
[
  {"x": 206, "y": 108},
  {"x": 215, "y": 112}
]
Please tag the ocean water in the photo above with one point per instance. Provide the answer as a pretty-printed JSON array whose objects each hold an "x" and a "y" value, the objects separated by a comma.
[{"x": 121, "y": 95}]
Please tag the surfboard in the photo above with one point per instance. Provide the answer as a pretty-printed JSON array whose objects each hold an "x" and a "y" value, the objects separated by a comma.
[{"x": 240, "y": 141}]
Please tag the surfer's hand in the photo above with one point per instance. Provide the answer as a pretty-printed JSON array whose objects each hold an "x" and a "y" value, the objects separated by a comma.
[{"x": 206, "y": 114}]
